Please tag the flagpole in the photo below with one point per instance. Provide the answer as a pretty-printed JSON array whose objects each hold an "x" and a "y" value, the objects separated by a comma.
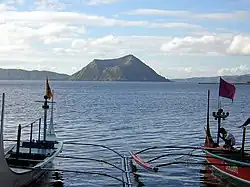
[
  {"x": 208, "y": 99},
  {"x": 219, "y": 104},
  {"x": 45, "y": 107}
]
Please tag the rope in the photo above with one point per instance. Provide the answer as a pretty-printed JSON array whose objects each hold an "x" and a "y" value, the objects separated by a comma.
[
  {"x": 97, "y": 160},
  {"x": 169, "y": 146},
  {"x": 97, "y": 145}
]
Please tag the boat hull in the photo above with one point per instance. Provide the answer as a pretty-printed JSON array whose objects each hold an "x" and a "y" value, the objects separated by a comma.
[
  {"x": 21, "y": 177},
  {"x": 232, "y": 171}
]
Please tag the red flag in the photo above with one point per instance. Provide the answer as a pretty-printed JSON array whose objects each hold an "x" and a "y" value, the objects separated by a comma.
[{"x": 226, "y": 89}]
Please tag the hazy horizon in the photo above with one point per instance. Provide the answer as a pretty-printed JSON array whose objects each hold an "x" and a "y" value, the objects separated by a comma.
[{"x": 161, "y": 75}]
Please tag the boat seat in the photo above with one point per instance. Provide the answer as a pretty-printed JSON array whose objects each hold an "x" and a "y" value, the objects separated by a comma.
[
  {"x": 27, "y": 156},
  {"x": 25, "y": 159},
  {"x": 22, "y": 162},
  {"x": 39, "y": 144}
]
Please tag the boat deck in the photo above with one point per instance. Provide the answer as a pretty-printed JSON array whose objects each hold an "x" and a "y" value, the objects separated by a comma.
[
  {"x": 30, "y": 154},
  {"x": 232, "y": 155}
]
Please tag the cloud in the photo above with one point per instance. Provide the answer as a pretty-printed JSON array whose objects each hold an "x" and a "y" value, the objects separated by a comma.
[
  {"x": 62, "y": 39},
  {"x": 78, "y": 43},
  {"x": 42, "y": 17},
  {"x": 14, "y": 2},
  {"x": 71, "y": 51},
  {"x": 99, "y": 2},
  {"x": 195, "y": 45},
  {"x": 49, "y": 5},
  {"x": 5, "y": 7},
  {"x": 57, "y": 40},
  {"x": 57, "y": 29},
  {"x": 175, "y": 25},
  {"x": 12, "y": 33},
  {"x": 159, "y": 12},
  {"x": 110, "y": 39},
  {"x": 13, "y": 48},
  {"x": 208, "y": 45},
  {"x": 236, "y": 15},
  {"x": 240, "y": 45},
  {"x": 120, "y": 45},
  {"x": 68, "y": 51},
  {"x": 185, "y": 70},
  {"x": 240, "y": 70}
]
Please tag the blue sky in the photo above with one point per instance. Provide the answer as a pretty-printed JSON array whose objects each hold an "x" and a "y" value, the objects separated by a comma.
[{"x": 177, "y": 38}]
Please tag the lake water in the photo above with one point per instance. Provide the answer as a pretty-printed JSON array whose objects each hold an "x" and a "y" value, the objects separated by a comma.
[{"x": 126, "y": 116}]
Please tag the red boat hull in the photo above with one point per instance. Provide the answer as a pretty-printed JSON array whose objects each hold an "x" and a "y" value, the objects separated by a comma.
[
  {"x": 236, "y": 171},
  {"x": 229, "y": 169}
]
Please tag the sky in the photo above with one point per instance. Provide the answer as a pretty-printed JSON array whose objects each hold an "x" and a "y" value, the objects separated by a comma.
[{"x": 177, "y": 38}]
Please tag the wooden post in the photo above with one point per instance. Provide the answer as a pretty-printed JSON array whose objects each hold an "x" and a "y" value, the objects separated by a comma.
[
  {"x": 247, "y": 122},
  {"x": 208, "y": 98},
  {"x": 243, "y": 142},
  {"x": 39, "y": 129},
  {"x": 2, "y": 117},
  {"x": 18, "y": 141},
  {"x": 31, "y": 131}
]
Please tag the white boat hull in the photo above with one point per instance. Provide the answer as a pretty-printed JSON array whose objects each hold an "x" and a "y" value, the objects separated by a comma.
[
  {"x": 23, "y": 177},
  {"x": 27, "y": 161},
  {"x": 18, "y": 177}
]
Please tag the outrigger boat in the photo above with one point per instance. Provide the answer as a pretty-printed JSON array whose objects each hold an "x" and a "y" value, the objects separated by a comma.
[
  {"x": 233, "y": 164},
  {"x": 26, "y": 161}
]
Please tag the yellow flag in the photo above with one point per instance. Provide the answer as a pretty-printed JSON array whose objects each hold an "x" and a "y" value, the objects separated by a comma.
[{"x": 48, "y": 93}]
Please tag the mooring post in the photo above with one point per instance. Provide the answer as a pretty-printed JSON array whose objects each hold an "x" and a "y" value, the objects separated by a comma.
[
  {"x": 39, "y": 129},
  {"x": 243, "y": 143},
  {"x": 18, "y": 141},
  {"x": 31, "y": 131}
]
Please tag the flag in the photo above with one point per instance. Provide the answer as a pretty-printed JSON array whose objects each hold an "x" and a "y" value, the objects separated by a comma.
[
  {"x": 48, "y": 93},
  {"x": 226, "y": 89}
]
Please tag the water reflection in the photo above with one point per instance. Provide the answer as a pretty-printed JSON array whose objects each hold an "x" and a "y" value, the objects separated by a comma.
[
  {"x": 209, "y": 179},
  {"x": 138, "y": 182},
  {"x": 50, "y": 179},
  {"x": 57, "y": 180}
]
